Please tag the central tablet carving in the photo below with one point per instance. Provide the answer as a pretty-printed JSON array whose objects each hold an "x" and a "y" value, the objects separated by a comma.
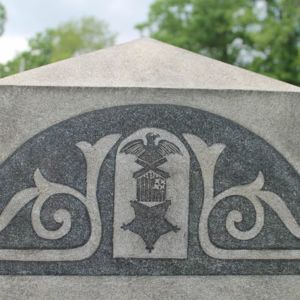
[
  {"x": 151, "y": 202},
  {"x": 151, "y": 196}
]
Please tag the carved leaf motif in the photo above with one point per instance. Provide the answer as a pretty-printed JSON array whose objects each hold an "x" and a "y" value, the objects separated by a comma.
[
  {"x": 44, "y": 189},
  {"x": 207, "y": 158}
]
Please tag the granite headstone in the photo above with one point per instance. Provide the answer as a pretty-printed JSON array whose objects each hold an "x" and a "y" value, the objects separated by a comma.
[{"x": 145, "y": 170}]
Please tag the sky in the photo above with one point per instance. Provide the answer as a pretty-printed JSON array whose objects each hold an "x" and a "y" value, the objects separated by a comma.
[{"x": 26, "y": 17}]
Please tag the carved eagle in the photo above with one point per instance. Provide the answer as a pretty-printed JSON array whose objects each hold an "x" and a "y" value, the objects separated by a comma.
[{"x": 138, "y": 148}]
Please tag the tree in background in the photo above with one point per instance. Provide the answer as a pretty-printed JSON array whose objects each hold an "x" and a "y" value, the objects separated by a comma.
[
  {"x": 2, "y": 18},
  {"x": 67, "y": 40},
  {"x": 260, "y": 35}
]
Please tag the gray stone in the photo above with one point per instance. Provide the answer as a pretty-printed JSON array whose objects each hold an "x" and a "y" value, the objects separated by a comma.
[
  {"x": 146, "y": 159},
  {"x": 146, "y": 63}
]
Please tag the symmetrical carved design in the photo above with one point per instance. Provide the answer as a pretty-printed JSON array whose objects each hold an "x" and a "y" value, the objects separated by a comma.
[
  {"x": 44, "y": 189},
  {"x": 207, "y": 158}
]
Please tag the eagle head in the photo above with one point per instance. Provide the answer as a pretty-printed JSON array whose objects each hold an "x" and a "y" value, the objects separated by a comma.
[{"x": 151, "y": 137}]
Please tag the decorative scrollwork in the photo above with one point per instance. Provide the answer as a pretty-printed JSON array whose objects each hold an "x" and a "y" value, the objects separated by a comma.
[
  {"x": 94, "y": 155},
  {"x": 207, "y": 158},
  {"x": 62, "y": 216},
  {"x": 248, "y": 192},
  {"x": 44, "y": 189}
]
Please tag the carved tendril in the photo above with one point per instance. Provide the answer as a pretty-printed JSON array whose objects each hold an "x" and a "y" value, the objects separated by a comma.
[
  {"x": 235, "y": 216},
  {"x": 207, "y": 157},
  {"x": 62, "y": 216},
  {"x": 94, "y": 155}
]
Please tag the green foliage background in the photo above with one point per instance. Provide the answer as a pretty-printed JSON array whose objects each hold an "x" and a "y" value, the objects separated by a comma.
[
  {"x": 260, "y": 35},
  {"x": 2, "y": 18},
  {"x": 67, "y": 40}
]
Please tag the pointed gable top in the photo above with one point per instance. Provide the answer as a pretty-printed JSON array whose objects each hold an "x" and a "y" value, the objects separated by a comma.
[{"x": 146, "y": 63}]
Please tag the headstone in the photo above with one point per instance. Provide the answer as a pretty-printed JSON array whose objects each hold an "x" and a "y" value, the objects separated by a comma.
[{"x": 143, "y": 170}]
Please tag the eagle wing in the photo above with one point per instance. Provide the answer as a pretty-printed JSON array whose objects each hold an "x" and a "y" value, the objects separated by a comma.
[
  {"x": 166, "y": 148},
  {"x": 135, "y": 147}
]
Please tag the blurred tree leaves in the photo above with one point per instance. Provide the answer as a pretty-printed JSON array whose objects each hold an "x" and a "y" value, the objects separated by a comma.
[
  {"x": 260, "y": 35},
  {"x": 2, "y": 18},
  {"x": 67, "y": 40}
]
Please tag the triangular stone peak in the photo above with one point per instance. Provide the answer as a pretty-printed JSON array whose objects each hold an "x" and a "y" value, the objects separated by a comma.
[{"x": 146, "y": 63}]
